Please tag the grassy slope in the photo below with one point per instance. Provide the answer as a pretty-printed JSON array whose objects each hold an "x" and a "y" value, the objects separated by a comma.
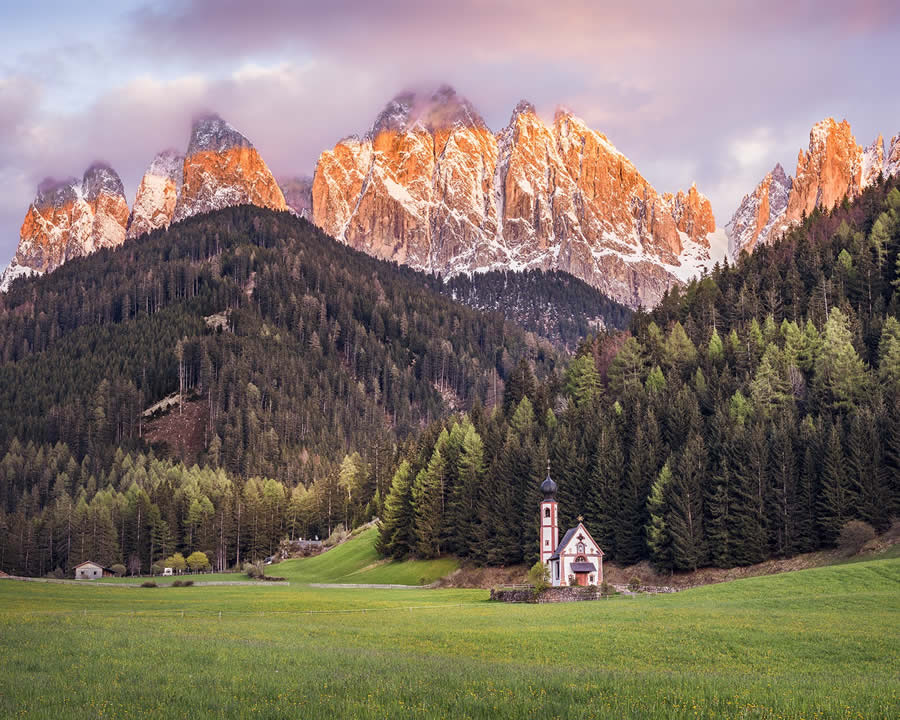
[
  {"x": 357, "y": 561},
  {"x": 817, "y": 643},
  {"x": 354, "y": 562}
]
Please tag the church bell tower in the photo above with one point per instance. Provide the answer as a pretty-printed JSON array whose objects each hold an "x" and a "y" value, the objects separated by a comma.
[{"x": 549, "y": 524}]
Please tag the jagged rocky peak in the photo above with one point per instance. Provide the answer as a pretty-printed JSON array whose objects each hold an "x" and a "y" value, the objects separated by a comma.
[
  {"x": 758, "y": 212},
  {"x": 892, "y": 161},
  {"x": 168, "y": 164},
  {"x": 157, "y": 195},
  {"x": 442, "y": 109},
  {"x": 101, "y": 178},
  {"x": 873, "y": 161},
  {"x": 70, "y": 218},
  {"x": 55, "y": 193},
  {"x": 523, "y": 107},
  {"x": 833, "y": 167},
  {"x": 210, "y": 133},
  {"x": 222, "y": 169}
]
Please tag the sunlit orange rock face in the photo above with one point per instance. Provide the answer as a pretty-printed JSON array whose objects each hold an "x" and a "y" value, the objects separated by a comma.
[
  {"x": 157, "y": 195},
  {"x": 828, "y": 172},
  {"x": 221, "y": 169},
  {"x": 431, "y": 186},
  {"x": 71, "y": 218},
  {"x": 834, "y": 167}
]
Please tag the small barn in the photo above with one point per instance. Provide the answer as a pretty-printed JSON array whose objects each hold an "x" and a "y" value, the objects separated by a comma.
[{"x": 89, "y": 570}]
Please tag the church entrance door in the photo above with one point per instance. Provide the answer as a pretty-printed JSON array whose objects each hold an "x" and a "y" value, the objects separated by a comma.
[{"x": 581, "y": 578}]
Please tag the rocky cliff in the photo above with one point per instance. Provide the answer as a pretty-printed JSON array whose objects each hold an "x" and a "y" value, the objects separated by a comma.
[
  {"x": 430, "y": 185},
  {"x": 834, "y": 167},
  {"x": 68, "y": 219},
  {"x": 157, "y": 195},
  {"x": 221, "y": 169}
]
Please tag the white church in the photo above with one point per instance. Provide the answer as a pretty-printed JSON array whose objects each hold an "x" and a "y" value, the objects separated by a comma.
[{"x": 577, "y": 559}]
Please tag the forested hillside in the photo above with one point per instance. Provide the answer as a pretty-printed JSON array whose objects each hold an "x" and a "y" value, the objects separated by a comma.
[
  {"x": 551, "y": 304},
  {"x": 752, "y": 414}
]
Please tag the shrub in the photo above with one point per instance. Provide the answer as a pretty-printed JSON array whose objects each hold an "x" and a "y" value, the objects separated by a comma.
[
  {"x": 273, "y": 578},
  {"x": 182, "y": 583},
  {"x": 118, "y": 569},
  {"x": 155, "y": 569},
  {"x": 854, "y": 535},
  {"x": 149, "y": 583},
  {"x": 197, "y": 561},
  {"x": 605, "y": 589},
  {"x": 176, "y": 562},
  {"x": 635, "y": 583},
  {"x": 539, "y": 576},
  {"x": 254, "y": 570},
  {"x": 338, "y": 535}
]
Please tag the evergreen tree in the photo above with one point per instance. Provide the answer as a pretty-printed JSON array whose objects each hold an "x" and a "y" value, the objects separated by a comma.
[
  {"x": 836, "y": 499},
  {"x": 395, "y": 536}
]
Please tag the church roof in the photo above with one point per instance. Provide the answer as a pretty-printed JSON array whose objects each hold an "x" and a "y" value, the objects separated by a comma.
[
  {"x": 562, "y": 543},
  {"x": 583, "y": 567},
  {"x": 568, "y": 536}
]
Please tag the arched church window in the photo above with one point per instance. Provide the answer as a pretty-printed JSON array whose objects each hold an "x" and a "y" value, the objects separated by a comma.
[
  {"x": 546, "y": 512},
  {"x": 581, "y": 558}
]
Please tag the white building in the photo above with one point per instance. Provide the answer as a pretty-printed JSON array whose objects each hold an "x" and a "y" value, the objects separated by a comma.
[
  {"x": 89, "y": 570},
  {"x": 576, "y": 559}
]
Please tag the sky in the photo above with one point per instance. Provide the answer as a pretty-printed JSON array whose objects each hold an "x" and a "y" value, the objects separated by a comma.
[{"x": 709, "y": 92}]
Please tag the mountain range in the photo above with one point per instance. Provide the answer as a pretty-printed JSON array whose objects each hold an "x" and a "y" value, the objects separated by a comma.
[{"x": 429, "y": 185}]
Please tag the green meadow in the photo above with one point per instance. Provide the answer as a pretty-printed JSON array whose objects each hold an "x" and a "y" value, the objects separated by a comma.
[{"x": 820, "y": 643}]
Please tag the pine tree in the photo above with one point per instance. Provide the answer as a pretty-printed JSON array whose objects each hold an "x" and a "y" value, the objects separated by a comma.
[
  {"x": 396, "y": 528},
  {"x": 467, "y": 493},
  {"x": 604, "y": 501},
  {"x": 836, "y": 499},
  {"x": 428, "y": 502},
  {"x": 685, "y": 501},
  {"x": 659, "y": 539},
  {"x": 867, "y": 472},
  {"x": 840, "y": 373}
]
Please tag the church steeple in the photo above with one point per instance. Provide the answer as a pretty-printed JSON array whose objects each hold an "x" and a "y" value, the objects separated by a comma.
[
  {"x": 548, "y": 487},
  {"x": 549, "y": 529}
]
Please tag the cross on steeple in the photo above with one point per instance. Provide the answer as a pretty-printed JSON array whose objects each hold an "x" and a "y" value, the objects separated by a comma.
[{"x": 580, "y": 518}]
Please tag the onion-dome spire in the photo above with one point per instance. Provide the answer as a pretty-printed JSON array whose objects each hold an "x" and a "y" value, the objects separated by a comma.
[{"x": 548, "y": 487}]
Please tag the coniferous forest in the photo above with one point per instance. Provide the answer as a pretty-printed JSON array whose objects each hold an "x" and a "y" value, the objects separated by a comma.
[{"x": 752, "y": 413}]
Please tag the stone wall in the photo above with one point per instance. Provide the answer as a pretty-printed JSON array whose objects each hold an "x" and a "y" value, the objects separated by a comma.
[
  {"x": 550, "y": 595},
  {"x": 526, "y": 594}
]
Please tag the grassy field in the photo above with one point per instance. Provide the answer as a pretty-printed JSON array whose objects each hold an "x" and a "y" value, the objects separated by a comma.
[{"x": 820, "y": 643}]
